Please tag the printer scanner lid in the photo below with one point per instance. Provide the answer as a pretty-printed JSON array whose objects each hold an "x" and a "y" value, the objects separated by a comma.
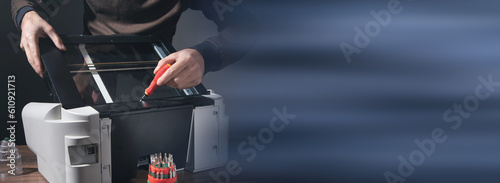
[{"x": 107, "y": 72}]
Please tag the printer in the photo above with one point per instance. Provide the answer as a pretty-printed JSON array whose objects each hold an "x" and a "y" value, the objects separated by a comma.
[{"x": 96, "y": 130}]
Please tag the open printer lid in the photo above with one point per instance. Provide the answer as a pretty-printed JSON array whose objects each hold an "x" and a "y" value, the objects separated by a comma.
[{"x": 109, "y": 71}]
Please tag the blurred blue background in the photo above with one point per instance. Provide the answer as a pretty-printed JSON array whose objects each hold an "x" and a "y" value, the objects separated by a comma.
[{"x": 353, "y": 119}]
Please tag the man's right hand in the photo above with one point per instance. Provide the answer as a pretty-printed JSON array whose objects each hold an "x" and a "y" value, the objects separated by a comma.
[{"x": 33, "y": 27}]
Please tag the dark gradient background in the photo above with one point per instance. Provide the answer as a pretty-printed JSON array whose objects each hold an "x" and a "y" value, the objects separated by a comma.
[{"x": 353, "y": 119}]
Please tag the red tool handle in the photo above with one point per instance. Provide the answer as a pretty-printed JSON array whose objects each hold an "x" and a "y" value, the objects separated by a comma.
[{"x": 152, "y": 87}]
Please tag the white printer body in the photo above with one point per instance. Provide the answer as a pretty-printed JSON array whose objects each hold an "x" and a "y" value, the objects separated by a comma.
[{"x": 107, "y": 141}]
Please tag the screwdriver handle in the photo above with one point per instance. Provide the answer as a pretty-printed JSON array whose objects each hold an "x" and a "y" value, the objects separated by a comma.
[{"x": 154, "y": 85}]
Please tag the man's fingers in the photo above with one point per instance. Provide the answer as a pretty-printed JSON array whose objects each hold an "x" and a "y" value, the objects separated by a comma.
[
  {"x": 180, "y": 80},
  {"x": 34, "y": 53},
  {"x": 49, "y": 30},
  {"x": 190, "y": 81},
  {"x": 172, "y": 72},
  {"x": 21, "y": 44},
  {"x": 28, "y": 56},
  {"x": 170, "y": 59}
]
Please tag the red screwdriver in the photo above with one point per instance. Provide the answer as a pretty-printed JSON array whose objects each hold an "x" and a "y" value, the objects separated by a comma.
[{"x": 152, "y": 87}]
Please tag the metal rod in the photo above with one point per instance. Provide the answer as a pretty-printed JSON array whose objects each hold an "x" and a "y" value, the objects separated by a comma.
[
  {"x": 115, "y": 63},
  {"x": 109, "y": 70}
]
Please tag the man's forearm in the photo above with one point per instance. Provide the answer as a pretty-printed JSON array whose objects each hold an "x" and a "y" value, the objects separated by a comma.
[
  {"x": 210, "y": 54},
  {"x": 237, "y": 28}
]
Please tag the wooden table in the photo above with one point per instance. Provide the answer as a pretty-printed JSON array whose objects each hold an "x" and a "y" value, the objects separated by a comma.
[{"x": 31, "y": 175}]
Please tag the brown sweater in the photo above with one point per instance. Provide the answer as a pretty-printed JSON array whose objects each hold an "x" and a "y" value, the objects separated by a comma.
[{"x": 159, "y": 17}]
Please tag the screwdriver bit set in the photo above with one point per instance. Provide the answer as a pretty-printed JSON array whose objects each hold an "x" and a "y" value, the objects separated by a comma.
[{"x": 162, "y": 169}]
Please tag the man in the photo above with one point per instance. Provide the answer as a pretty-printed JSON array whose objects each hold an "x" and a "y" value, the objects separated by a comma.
[{"x": 149, "y": 17}]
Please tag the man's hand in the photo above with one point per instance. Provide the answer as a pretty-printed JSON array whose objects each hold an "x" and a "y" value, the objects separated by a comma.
[
  {"x": 186, "y": 71},
  {"x": 33, "y": 27}
]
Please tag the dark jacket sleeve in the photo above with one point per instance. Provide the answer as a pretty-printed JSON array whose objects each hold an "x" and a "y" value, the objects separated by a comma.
[{"x": 237, "y": 28}]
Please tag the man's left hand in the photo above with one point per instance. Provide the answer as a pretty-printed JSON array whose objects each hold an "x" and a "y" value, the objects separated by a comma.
[{"x": 188, "y": 67}]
